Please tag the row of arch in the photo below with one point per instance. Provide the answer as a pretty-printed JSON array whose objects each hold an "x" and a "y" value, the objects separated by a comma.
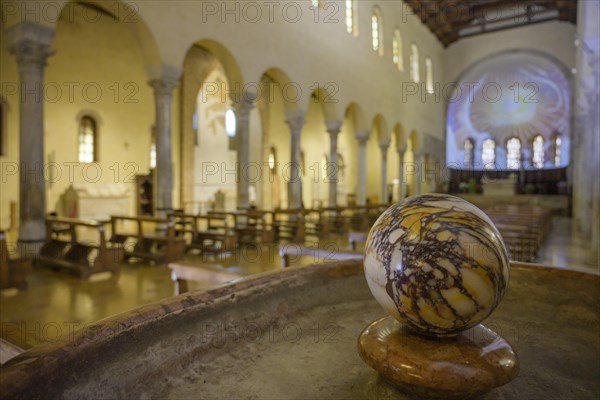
[{"x": 215, "y": 55}]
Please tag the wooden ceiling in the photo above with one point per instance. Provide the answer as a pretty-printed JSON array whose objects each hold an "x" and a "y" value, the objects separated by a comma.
[{"x": 451, "y": 20}]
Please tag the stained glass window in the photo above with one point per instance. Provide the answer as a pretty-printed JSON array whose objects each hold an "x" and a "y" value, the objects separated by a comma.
[
  {"x": 377, "y": 31},
  {"x": 414, "y": 63},
  {"x": 469, "y": 148},
  {"x": 538, "y": 152},
  {"x": 488, "y": 154},
  {"x": 513, "y": 153},
  {"x": 397, "y": 50},
  {"x": 351, "y": 17},
  {"x": 429, "y": 75}
]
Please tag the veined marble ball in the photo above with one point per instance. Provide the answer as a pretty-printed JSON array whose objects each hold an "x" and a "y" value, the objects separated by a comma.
[{"x": 436, "y": 263}]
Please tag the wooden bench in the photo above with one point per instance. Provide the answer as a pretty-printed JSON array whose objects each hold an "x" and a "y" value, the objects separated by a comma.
[
  {"x": 335, "y": 220},
  {"x": 159, "y": 247},
  {"x": 253, "y": 226},
  {"x": 523, "y": 229},
  {"x": 288, "y": 225},
  {"x": 91, "y": 254},
  {"x": 286, "y": 252},
  {"x": 13, "y": 271},
  {"x": 209, "y": 233},
  {"x": 207, "y": 273},
  {"x": 314, "y": 224}
]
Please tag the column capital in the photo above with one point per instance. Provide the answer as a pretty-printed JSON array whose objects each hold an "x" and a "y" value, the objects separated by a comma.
[
  {"x": 30, "y": 43},
  {"x": 333, "y": 127},
  {"x": 362, "y": 137},
  {"x": 401, "y": 150},
  {"x": 384, "y": 146},
  {"x": 163, "y": 86},
  {"x": 243, "y": 107},
  {"x": 296, "y": 121}
]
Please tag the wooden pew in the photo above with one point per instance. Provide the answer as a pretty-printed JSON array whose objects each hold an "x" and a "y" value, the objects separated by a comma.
[
  {"x": 157, "y": 247},
  {"x": 181, "y": 273},
  {"x": 523, "y": 228},
  {"x": 335, "y": 220},
  {"x": 288, "y": 225},
  {"x": 286, "y": 252},
  {"x": 13, "y": 271},
  {"x": 314, "y": 224},
  {"x": 209, "y": 233},
  {"x": 253, "y": 226},
  {"x": 64, "y": 248}
]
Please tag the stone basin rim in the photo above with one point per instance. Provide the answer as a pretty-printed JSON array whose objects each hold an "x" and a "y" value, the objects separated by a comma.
[{"x": 34, "y": 364}]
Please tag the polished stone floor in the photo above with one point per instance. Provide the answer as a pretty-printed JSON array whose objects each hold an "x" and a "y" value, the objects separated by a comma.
[
  {"x": 57, "y": 303},
  {"x": 565, "y": 248}
]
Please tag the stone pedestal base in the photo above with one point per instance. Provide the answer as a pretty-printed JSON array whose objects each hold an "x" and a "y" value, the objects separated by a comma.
[{"x": 469, "y": 364}]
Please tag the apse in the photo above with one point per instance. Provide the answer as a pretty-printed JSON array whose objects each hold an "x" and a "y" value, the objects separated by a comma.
[{"x": 520, "y": 101}]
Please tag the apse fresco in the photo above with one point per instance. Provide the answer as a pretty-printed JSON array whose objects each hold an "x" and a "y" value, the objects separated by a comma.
[{"x": 512, "y": 95}]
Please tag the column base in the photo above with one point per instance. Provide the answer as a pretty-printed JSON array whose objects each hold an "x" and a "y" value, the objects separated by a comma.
[{"x": 29, "y": 248}]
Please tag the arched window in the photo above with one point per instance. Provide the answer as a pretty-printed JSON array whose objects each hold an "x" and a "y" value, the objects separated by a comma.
[
  {"x": 488, "y": 154},
  {"x": 429, "y": 75},
  {"x": 153, "y": 149},
  {"x": 377, "y": 31},
  {"x": 351, "y": 17},
  {"x": 230, "y": 122},
  {"x": 397, "y": 50},
  {"x": 414, "y": 63},
  {"x": 557, "y": 145},
  {"x": 87, "y": 139},
  {"x": 469, "y": 150},
  {"x": 538, "y": 152},
  {"x": 513, "y": 153},
  {"x": 272, "y": 161}
]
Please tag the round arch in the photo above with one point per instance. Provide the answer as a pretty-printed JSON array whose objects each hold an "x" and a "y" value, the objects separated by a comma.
[
  {"x": 415, "y": 140},
  {"x": 399, "y": 135},
  {"x": 325, "y": 97},
  {"x": 127, "y": 15},
  {"x": 380, "y": 124},
  {"x": 287, "y": 87},
  {"x": 355, "y": 111},
  {"x": 230, "y": 66}
]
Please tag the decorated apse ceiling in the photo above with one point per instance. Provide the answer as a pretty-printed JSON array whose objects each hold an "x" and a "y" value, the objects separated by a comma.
[{"x": 511, "y": 95}]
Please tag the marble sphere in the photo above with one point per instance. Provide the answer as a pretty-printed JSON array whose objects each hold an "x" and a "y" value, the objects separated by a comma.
[{"x": 436, "y": 263}]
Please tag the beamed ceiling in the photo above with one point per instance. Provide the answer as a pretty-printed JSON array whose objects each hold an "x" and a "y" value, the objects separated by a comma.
[{"x": 451, "y": 20}]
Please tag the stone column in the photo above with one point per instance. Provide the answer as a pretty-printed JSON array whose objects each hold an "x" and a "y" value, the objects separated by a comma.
[
  {"x": 384, "y": 191},
  {"x": 333, "y": 128},
  {"x": 420, "y": 166},
  {"x": 362, "y": 138},
  {"x": 295, "y": 123},
  {"x": 401, "y": 151},
  {"x": 242, "y": 121},
  {"x": 163, "y": 93},
  {"x": 30, "y": 44}
]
